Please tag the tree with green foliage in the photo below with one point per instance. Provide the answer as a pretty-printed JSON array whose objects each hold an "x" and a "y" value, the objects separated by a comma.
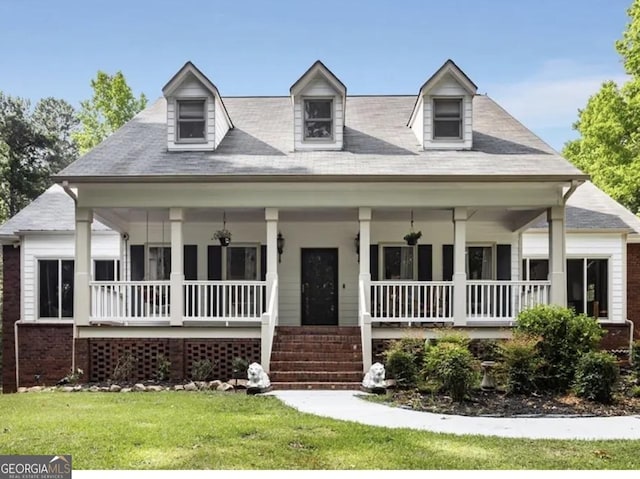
[
  {"x": 110, "y": 107},
  {"x": 609, "y": 146},
  {"x": 34, "y": 143}
]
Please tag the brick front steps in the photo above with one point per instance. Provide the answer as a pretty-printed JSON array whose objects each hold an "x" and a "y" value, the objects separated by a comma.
[{"x": 316, "y": 357}]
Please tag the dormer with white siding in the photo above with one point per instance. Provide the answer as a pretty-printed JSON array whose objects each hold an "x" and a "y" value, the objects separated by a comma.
[
  {"x": 196, "y": 117},
  {"x": 319, "y": 99},
  {"x": 442, "y": 118}
]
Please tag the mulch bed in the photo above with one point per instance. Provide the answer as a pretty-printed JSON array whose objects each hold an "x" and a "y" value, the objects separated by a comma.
[{"x": 500, "y": 404}]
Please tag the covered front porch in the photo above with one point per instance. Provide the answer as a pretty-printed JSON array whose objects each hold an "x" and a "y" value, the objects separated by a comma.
[{"x": 323, "y": 261}]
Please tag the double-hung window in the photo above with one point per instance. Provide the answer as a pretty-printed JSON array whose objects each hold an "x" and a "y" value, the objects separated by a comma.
[
  {"x": 447, "y": 119},
  {"x": 106, "y": 270},
  {"x": 159, "y": 263},
  {"x": 318, "y": 119},
  {"x": 242, "y": 263},
  {"x": 191, "y": 120},
  {"x": 398, "y": 262},
  {"x": 55, "y": 292}
]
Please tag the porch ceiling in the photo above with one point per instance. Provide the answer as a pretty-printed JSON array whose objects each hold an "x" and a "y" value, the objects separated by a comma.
[{"x": 119, "y": 218}]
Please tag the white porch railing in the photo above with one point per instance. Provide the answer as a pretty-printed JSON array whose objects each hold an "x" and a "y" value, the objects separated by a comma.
[
  {"x": 269, "y": 323},
  {"x": 203, "y": 300},
  {"x": 503, "y": 300},
  {"x": 121, "y": 300},
  {"x": 407, "y": 301},
  {"x": 224, "y": 300}
]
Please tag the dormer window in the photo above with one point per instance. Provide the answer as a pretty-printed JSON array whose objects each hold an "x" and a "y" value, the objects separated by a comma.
[
  {"x": 318, "y": 119},
  {"x": 191, "y": 120},
  {"x": 447, "y": 118}
]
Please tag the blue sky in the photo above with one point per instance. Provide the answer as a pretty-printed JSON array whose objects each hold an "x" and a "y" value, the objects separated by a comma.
[{"x": 540, "y": 59}]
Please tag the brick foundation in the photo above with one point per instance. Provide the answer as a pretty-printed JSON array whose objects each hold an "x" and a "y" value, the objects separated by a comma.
[
  {"x": 633, "y": 286},
  {"x": 104, "y": 354},
  {"x": 10, "y": 314},
  {"x": 44, "y": 353}
]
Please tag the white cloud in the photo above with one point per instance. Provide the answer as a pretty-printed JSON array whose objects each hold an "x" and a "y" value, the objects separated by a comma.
[{"x": 552, "y": 96}]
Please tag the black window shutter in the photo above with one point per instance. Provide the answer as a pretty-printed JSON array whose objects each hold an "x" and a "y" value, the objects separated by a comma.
[
  {"x": 373, "y": 262},
  {"x": 263, "y": 262},
  {"x": 190, "y": 262},
  {"x": 425, "y": 269},
  {"x": 503, "y": 263},
  {"x": 214, "y": 263},
  {"x": 137, "y": 262},
  {"x": 447, "y": 262}
]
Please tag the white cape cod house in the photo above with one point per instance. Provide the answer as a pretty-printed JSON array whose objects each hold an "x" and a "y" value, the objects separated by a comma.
[{"x": 318, "y": 190}]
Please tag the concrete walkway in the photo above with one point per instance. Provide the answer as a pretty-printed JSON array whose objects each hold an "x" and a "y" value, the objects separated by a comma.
[{"x": 344, "y": 405}]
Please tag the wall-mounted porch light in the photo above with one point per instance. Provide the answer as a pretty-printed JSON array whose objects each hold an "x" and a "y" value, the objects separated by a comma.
[{"x": 280, "y": 246}]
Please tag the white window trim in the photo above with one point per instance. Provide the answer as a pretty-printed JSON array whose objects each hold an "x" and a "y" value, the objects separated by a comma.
[
  {"x": 223, "y": 258},
  {"x": 447, "y": 139},
  {"x": 176, "y": 110},
  {"x": 36, "y": 289},
  {"x": 331, "y": 139},
  {"x": 382, "y": 246}
]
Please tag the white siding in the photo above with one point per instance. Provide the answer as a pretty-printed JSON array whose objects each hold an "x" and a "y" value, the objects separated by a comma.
[
  {"x": 418, "y": 122},
  {"x": 221, "y": 124},
  {"x": 57, "y": 246},
  {"x": 318, "y": 88},
  {"x": 592, "y": 245}
]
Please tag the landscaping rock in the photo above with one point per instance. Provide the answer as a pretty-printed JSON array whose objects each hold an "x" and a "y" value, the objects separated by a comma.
[
  {"x": 213, "y": 385},
  {"x": 190, "y": 387},
  {"x": 104, "y": 389},
  {"x": 155, "y": 388},
  {"x": 239, "y": 383},
  {"x": 22, "y": 390},
  {"x": 94, "y": 389},
  {"x": 114, "y": 388},
  {"x": 203, "y": 385},
  {"x": 67, "y": 389},
  {"x": 77, "y": 388},
  {"x": 125, "y": 390},
  {"x": 390, "y": 383},
  {"x": 225, "y": 387},
  {"x": 139, "y": 387},
  {"x": 178, "y": 387},
  {"x": 35, "y": 389}
]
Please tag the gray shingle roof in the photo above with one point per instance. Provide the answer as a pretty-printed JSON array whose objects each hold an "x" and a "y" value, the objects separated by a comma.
[
  {"x": 590, "y": 208},
  {"x": 376, "y": 142},
  {"x": 53, "y": 210}
]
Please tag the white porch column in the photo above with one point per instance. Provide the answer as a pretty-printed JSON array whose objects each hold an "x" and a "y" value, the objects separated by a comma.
[
  {"x": 271, "y": 217},
  {"x": 82, "y": 276},
  {"x": 459, "y": 267},
  {"x": 176, "y": 217},
  {"x": 557, "y": 261},
  {"x": 364, "y": 217}
]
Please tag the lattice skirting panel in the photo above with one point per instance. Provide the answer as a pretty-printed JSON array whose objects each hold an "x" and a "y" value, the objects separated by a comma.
[{"x": 141, "y": 359}]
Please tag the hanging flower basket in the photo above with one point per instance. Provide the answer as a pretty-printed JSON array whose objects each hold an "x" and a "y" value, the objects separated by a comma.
[
  {"x": 224, "y": 236},
  {"x": 413, "y": 237}
]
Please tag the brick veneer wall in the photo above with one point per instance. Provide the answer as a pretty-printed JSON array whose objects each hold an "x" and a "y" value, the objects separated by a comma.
[
  {"x": 633, "y": 286},
  {"x": 44, "y": 353},
  {"x": 10, "y": 314}
]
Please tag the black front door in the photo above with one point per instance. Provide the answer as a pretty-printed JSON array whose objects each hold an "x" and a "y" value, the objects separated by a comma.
[{"x": 319, "y": 286}]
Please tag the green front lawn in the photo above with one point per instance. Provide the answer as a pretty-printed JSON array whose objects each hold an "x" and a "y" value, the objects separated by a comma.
[{"x": 177, "y": 430}]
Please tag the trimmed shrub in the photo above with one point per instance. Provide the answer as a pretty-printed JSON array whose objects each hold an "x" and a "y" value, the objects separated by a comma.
[
  {"x": 564, "y": 337},
  {"x": 452, "y": 366},
  {"x": 163, "y": 368},
  {"x": 403, "y": 360},
  {"x": 596, "y": 375},
  {"x": 239, "y": 367},
  {"x": 400, "y": 365},
  {"x": 520, "y": 363},
  {"x": 202, "y": 370},
  {"x": 453, "y": 337}
]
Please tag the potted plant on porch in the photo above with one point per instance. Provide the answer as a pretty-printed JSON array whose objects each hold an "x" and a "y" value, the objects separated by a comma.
[
  {"x": 412, "y": 237},
  {"x": 224, "y": 236}
]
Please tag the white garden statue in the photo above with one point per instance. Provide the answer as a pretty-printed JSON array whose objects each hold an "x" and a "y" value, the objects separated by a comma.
[
  {"x": 374, "y": 379},
  {"x": 258, "y": 379}
]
